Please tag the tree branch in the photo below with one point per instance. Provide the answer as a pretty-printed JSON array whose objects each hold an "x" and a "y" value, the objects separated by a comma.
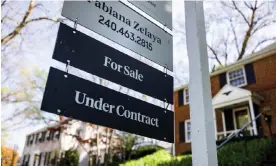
[
  {"x": 262, "y": 42},
  {"x": 215, "y": 54},
  {"x": 241, "y": 13},
  {"x": 3, "y": 3},
  {"x": 263, "y": 26},
  {"x": 24, "y": 22},
  {"x": 235, "y": 36},
  {"x": 248, "y": 32},
  {"x": 247, "y": 5}
]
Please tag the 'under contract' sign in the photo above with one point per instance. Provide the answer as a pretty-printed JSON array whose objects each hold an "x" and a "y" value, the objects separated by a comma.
[{"x": 81, "y": 99}]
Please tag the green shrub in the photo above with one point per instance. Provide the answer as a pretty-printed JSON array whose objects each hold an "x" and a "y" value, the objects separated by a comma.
[
  {"x": 236, "y": 153},
  {"x": 186, "y": 153},
  {"x": 243, "y": 153},
  {"x": 70, "y": 158},
  {"x": 150, "y": 160},
  {"x": 144, "y": 150}
]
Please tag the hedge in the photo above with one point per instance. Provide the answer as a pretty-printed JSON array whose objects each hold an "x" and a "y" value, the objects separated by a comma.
[
  {"x": 242, "y": 153},
  {"x": 144, "y": 150}
]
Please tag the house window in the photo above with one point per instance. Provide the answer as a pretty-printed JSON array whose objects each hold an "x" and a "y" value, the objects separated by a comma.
[
  {"x": 237, "y": 77},
  {"x": 186, "y": 96},
  {"x": 188, "y": 133}
]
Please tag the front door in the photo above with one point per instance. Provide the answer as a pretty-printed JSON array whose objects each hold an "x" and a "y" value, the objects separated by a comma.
[{"x": 241, "y": 117}]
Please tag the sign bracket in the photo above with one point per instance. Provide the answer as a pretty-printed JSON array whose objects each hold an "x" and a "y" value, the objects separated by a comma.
[
  {"x": 66, "y": 68},
  {"x": 75, "y": 25}
]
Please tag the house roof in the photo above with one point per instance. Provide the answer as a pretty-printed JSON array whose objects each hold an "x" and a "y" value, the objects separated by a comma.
[
  {"x": 267, "y": 51},
  {"x": 230, "y": 94}
]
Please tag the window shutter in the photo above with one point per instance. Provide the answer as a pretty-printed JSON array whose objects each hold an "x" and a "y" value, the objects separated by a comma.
[
  {"x": 250, "y": 74},
  {"x": 181, "y": 131},
  {"x": 45, "y": 158},
  {"x": 180, "y": 98},
  {"x": 228, "y": 113},
  {"x": 222, "y": 79}
]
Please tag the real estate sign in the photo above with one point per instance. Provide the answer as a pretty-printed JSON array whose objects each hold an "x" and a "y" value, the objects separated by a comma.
[
  {"x": 104, "y": 61},
  {"x": 159, "y": 10},
  {"x": 81, "y": 99},
  {"x": 119, "y": 23}
]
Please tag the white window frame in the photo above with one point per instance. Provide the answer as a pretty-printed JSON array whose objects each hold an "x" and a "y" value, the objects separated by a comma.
[
  {"x": 186, "y": 131},
  {"x": 184, "y": 96},
  {"x": 244, "y": 74}
]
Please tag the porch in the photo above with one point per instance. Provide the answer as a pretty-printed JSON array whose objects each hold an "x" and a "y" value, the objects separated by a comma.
[{"x": 238, "y": 107}]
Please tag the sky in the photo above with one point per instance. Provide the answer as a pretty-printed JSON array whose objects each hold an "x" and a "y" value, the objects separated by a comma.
[{"x": 38, "y": 47}]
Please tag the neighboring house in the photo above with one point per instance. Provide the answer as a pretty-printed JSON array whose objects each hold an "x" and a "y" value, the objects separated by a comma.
[
  {"x": 45, "y": 146},
  {"x": 240, "y": 92}
]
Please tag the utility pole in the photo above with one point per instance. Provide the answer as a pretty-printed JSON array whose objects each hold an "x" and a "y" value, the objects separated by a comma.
[{"x": 202, "y": 123}]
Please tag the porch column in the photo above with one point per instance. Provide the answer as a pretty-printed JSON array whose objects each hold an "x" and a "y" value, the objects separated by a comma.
[
  {"x": 223, "y": 123},
  {"x": 215, "y": 121},
  {"x": 255, "y": 132}
]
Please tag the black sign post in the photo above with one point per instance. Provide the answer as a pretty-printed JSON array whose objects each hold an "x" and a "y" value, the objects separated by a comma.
[
  {"x": 104, "y": 61},
  {"x": 81, "y": 99}
]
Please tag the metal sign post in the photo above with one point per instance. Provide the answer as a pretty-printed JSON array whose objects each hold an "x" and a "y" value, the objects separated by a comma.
[{"x": 202, "y": 123}]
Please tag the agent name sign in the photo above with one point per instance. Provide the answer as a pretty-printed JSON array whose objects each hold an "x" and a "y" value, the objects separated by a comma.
[{"x": 121, "y": 24}]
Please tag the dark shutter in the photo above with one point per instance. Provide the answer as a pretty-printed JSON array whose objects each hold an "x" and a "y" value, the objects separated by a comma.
[
  {"x": 48, "y": 158},
  {"x": 39, "y": 158},
  {"x": 43, "y": 136},
  {"x": 229, "y": 122},
  {"x": 28, "y": 140},
  {"x": 222, "y": 79},
  {"x": 36, "y": 137},
  {"x": 32, "y": 139},
  {"x": 34, "y": 163},
  {"x": 52, "y": 133},
  {"x": 259, "y": 120},
  {"x": 58, "y": 134},
  {"x": 180, "y": 98},
  {"x": 250, "y": 74},
  {"x": 45, "y": 158},
  {"x": 181, "y": 131}
]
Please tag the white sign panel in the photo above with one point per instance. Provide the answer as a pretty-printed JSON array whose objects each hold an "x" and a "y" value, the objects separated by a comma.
[
  {"x": 159, "y": 10},
  {"x": 119, "y": 23}
]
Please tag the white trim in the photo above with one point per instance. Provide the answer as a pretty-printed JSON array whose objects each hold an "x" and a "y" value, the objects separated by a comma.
[
  {"x": 215, "y": 121},
  {"x": 223, "y": 123},
  {"x": 239, "y": 100},
  {"x": 186, "y": 129},
  {"x": 244, "y": 75},
  {"x": 240, "y": 109},
  {"x": 184, "y": 96},
  {"x": 252, "y": 115}
]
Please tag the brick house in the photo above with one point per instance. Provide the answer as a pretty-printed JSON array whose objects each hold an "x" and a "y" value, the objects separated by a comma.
[{"x": 240, "y": 92}]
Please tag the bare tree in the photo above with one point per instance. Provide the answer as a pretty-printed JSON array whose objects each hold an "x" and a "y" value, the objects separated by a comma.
[
  {"x": 243, "y": 24},
  {"x": 235, "y": 29},
  {"x": 19, "y": 24}
]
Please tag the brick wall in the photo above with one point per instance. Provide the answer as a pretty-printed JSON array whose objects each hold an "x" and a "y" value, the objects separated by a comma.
[{"x": 265, "y": 74}]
